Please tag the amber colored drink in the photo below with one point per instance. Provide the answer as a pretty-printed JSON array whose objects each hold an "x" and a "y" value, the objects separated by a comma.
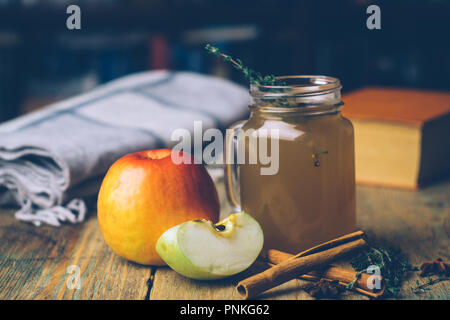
[{"x": 312, "y": 197}]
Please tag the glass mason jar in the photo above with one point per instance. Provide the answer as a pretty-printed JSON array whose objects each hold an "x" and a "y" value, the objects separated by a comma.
[{"x": 311, "y": 197}]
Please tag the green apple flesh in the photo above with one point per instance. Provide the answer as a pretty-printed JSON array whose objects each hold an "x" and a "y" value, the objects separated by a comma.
[{"x": 199, "y": 249}]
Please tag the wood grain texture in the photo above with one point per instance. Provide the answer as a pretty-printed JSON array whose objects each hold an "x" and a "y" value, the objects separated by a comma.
[
  {"x": 169, "y": 285},
  {"x": 413, "y": 221},
  {"x": 34, "y": 261}
]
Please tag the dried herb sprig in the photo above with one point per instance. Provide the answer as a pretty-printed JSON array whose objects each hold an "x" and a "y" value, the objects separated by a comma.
[
  {"x": 393, "y": 266},
  {"x": 421, "y": 288},
  {"x": 249, "y": 74}
]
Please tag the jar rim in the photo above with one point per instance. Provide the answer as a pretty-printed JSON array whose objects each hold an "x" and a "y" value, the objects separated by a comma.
[{"x": 298, "y": 85}]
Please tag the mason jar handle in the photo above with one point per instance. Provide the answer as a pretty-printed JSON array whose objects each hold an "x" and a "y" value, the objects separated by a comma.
[{"x": 231, "y": 168}]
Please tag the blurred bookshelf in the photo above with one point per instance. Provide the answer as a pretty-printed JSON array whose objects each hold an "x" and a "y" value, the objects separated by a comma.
[{"x": 42, "y": 62}]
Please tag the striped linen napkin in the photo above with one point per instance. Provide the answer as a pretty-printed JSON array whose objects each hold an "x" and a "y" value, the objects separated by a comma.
[{"x": 49, "y": 158}]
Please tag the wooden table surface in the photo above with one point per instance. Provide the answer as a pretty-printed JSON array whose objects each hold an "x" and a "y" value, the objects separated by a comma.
[{"x": 34, "y": 261}]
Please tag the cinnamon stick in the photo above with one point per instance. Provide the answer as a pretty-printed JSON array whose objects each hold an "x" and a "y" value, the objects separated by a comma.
[
  {"x": 315, "y": 258},
  {"x": 332, "y": 243},
  {"x": 344, "y": 276}
]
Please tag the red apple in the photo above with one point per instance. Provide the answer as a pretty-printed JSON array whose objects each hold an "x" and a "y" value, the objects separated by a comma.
[{"x": 144, "y": 194}]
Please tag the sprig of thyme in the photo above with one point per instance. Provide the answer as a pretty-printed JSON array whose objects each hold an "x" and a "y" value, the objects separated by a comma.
[
  {"x": 392, "y": 264},
  {"x": 251, "y": 75},
  {"x": 426, "y": 286}
]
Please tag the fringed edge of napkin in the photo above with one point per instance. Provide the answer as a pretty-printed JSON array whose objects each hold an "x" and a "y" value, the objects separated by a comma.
[{"x": 73, "y": 212}]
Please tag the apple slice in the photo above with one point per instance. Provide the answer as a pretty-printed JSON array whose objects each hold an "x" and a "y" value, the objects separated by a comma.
[{"x": 199, "y": 249}]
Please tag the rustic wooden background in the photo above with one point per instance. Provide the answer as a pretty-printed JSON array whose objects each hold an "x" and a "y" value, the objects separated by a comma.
[{"x": 34, "y": 261}]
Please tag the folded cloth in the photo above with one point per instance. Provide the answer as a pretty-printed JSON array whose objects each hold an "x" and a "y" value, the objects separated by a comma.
[{"x": 46, "y": 154}]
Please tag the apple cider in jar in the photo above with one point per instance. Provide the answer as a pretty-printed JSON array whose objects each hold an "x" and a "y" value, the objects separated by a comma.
[{"x": 311, "y": 197}]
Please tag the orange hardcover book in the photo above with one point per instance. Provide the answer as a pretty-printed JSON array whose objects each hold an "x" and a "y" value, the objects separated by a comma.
[{"x": 402, "y": 136}]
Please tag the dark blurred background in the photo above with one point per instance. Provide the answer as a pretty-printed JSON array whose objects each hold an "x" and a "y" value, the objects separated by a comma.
[{"x": 41, "y": 61}]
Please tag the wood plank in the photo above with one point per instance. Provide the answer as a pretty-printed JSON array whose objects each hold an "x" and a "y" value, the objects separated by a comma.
[
  {"x": 413, "y": 221},
  {"x": 168, "y": 285},
  {"x": 34, "y": 262}
]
